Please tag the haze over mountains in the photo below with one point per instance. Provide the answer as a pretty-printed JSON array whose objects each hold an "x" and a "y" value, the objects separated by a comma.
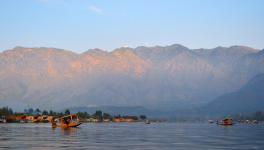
[
  {"x": 247, "y": 99},
  {"x": 159, "y": 78}
]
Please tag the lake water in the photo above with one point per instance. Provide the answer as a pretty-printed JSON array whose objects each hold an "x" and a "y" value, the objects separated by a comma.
[{"x": 126, "y": 136}]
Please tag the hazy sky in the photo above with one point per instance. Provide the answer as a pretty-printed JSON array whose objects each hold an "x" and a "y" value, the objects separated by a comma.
[{"x": 79, "y": 25}]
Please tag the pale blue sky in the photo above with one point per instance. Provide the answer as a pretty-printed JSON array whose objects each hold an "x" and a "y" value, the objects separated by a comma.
[{"x": 79, "y": 25}]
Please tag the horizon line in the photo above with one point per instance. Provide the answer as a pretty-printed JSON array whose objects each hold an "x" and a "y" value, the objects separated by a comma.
[{"x": 128, "y": 47}]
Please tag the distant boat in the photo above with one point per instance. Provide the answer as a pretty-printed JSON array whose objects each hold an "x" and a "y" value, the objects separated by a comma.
[
  {"x": 2, "y": 119},
  {"x": 211, "y": 121},
  {"x": 225, "y": 122},
  {"x": 147, "y": 122},
  {"x": 67, "y": 121}
]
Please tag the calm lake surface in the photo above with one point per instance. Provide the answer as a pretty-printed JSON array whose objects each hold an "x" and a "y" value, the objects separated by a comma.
[{"x": 125, "y": 136}]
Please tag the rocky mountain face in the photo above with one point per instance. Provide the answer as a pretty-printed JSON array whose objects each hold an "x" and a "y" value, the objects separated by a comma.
[
  {"x": 247, "y": 99},
  {"x": 164, "y": 78}
]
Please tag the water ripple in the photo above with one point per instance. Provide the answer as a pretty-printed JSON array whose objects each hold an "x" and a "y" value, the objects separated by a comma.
[{"x": 167, "y": 136}]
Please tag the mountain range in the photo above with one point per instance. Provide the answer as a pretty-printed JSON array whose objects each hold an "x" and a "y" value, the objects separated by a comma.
[{"x": 159, "y": 78}]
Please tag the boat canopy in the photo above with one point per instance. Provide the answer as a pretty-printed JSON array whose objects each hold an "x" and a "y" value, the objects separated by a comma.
[{"x": 70, "y": 116}]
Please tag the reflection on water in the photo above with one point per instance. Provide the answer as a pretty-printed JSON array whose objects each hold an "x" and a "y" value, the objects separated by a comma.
[
  {"x": 132, "y": 136},
  {"x": 68, "y": 131}
]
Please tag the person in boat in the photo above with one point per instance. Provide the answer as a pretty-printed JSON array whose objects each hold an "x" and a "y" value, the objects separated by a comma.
[
  {"x": 67, "y": 121},
  {"x": 64, "y": 121},
  {"x": 53, "y": 123}
]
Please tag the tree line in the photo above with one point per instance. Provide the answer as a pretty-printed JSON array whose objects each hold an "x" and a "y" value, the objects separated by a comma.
[{"x": 99, "y": 115}]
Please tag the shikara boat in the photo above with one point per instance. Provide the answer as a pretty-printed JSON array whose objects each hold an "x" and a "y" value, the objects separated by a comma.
[{"x": 68, "y": 121}]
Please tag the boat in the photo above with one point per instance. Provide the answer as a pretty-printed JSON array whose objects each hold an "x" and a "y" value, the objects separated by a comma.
[
  {"x": 255, "y": 121},
  {"x": 36, "y": 119},
  {"x": 2, "y": 119},
  {"x": 210, "y": 121},
  {"x": 69, "y": 121},
  {"x": 147, "y": 122},
  {"x": 225, "y": 122}
]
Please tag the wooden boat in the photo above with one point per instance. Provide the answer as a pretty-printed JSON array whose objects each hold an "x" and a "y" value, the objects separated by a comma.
[
  {"x": 68, "y": 121},
  {"x": 225, "y": 122},
  {"x": 36, "y": 119}
]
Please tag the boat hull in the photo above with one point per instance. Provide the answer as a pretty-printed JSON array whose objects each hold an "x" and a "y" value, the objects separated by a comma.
[
  {"x": 71, "y": 125},
  {"x": 225, "y": 122}
]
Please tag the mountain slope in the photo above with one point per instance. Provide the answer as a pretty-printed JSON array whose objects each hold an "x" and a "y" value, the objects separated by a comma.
[
  {"x": 249, "y": 98},
  {"x": 164, "y": 78}
]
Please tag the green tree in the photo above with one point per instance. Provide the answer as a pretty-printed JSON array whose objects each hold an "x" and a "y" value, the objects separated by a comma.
[
  {"x": 83, "y": 115},
  {"x": 52, "y": 113},
  {"x": 98, "y": 115},
  {"x": 45, "y": 112},
  {"x": 6, "y": 111},
  {"x": 67, "y": 112},
  {"x": 143, "y": 117},
  {"x": 59, "y": 114},
  {"x": 30, "y": 111},
  {"x": 107, "y": 116},
  {"x": 38, "y": 111},
  {"x": 86, "y": 115}
]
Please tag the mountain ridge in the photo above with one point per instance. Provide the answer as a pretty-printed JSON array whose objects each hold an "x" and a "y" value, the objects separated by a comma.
[
  {"x": 168, "y": 77},
  {"x": 138, "y": 47}
]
